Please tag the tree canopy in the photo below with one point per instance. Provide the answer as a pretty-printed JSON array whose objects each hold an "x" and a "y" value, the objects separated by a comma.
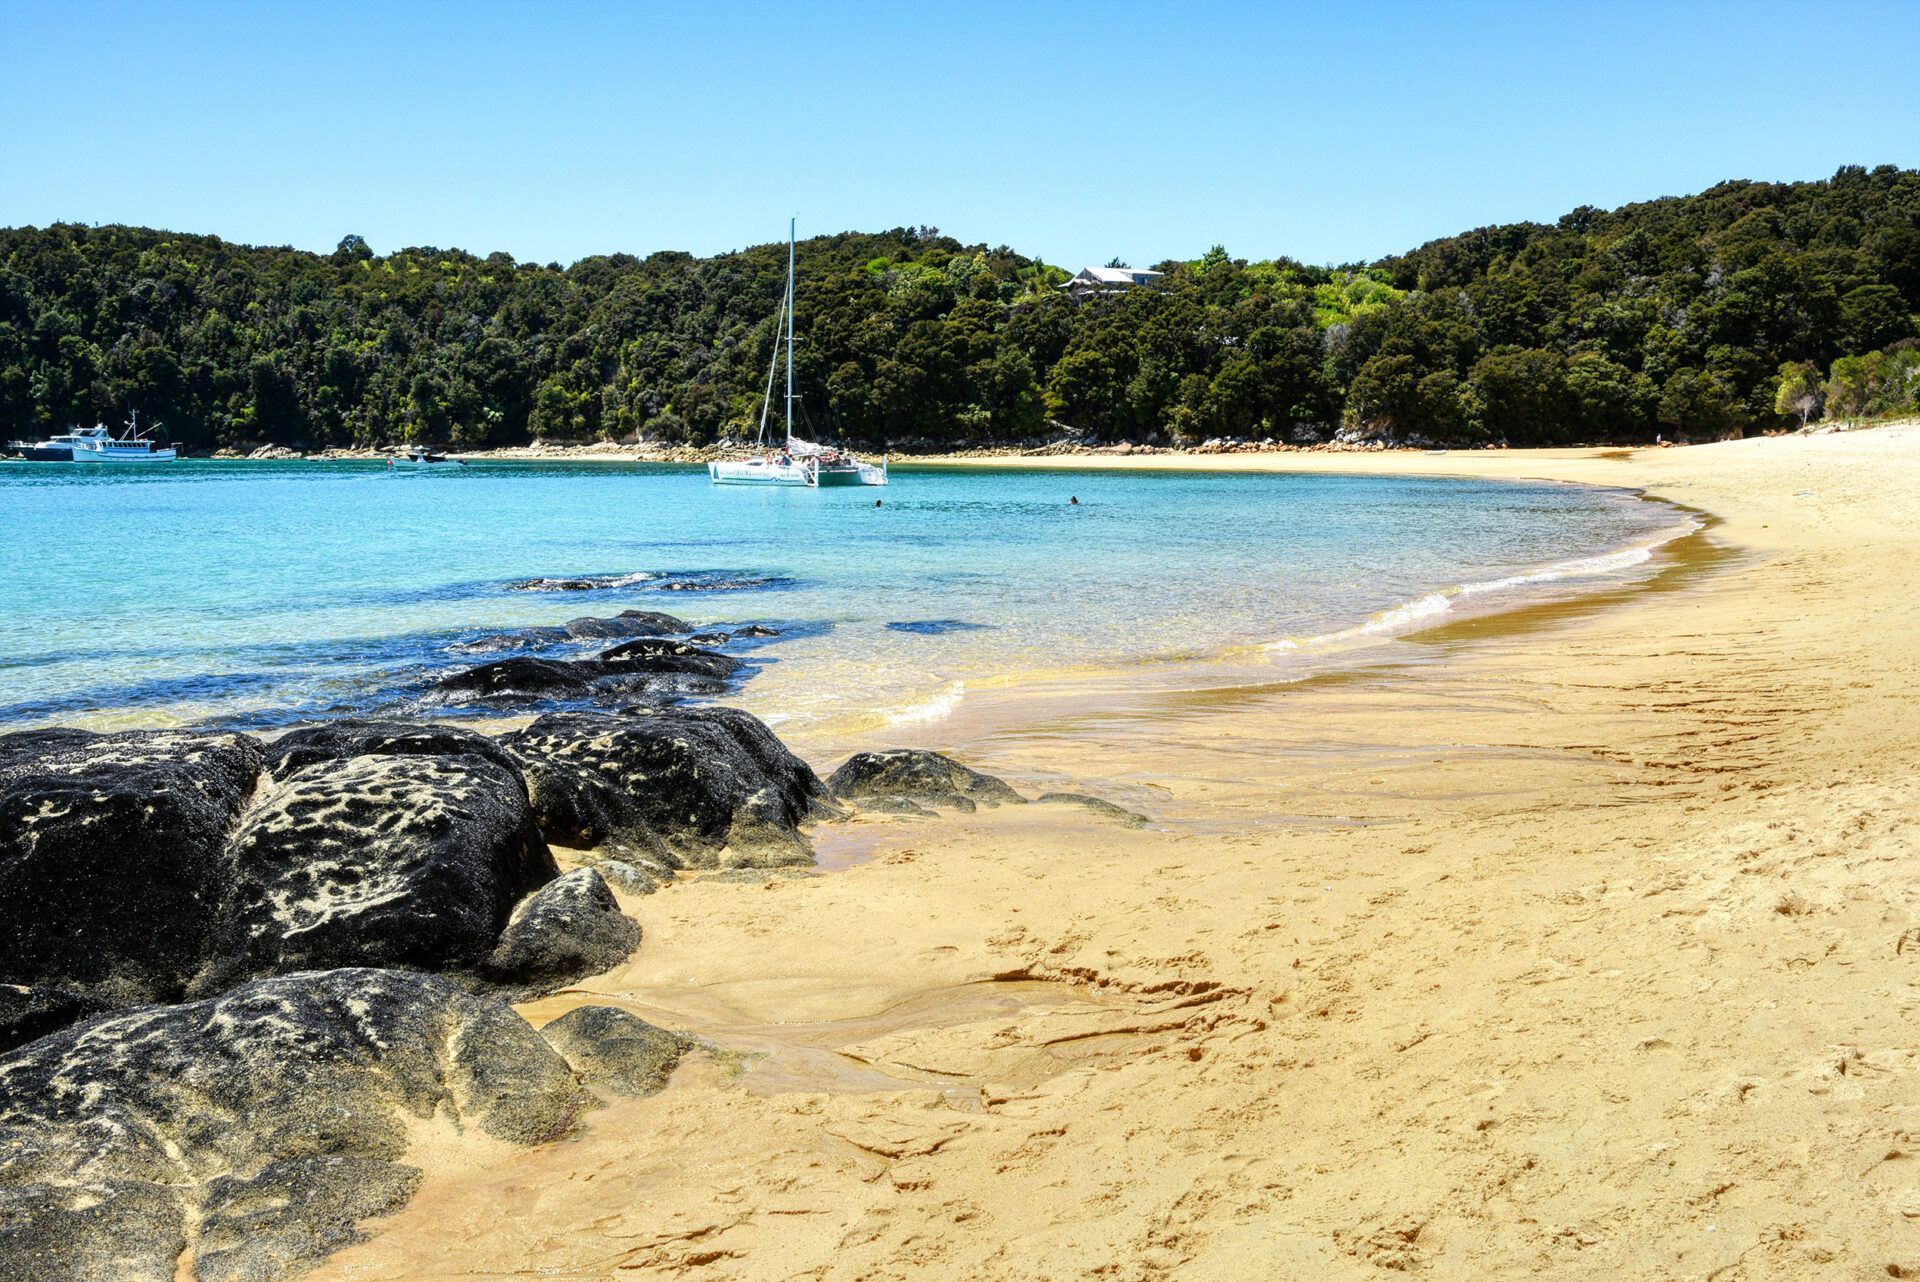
[{"x": 1696, "y": 315}]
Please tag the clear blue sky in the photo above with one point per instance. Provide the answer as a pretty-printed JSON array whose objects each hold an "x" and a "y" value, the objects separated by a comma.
[{"x": 1072, "y": 132}]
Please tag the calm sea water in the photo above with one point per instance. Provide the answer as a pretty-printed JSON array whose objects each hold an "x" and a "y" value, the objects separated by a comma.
[{"x": 261, "y": 593}]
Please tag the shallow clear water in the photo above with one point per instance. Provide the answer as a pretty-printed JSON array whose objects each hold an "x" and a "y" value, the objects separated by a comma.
[{"x": 258, "y": 593}]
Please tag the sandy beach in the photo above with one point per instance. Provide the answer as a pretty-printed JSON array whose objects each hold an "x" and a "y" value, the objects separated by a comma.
[{"x": 1580, "y": 941}]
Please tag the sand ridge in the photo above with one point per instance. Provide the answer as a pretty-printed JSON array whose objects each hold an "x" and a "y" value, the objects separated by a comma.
[{"x": 1585, "y": 946}]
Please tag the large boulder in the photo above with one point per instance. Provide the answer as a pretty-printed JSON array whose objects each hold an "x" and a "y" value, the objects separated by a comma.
[
  {"x": 570, "y": 928},
  {"x": 110, "y": 856},
  {"x": 412, "y": 861},
  {"x": 909, "y": 779},
  {"x": 244, "y": 1136},
  {"x": 693, "y": 787}
]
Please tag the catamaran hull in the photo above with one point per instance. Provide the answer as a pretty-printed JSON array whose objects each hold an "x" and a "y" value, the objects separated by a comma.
[
  {"x": 755, "y": 472},
  {"x": 862, "y": 474}
]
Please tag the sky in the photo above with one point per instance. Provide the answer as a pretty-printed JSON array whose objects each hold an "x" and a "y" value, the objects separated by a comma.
[{"x": 1076, "y": 133}]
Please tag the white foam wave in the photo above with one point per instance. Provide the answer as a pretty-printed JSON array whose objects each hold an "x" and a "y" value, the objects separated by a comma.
[
  {"x": 937, "y": 708},
  {"x": 1433, "y": 603}
]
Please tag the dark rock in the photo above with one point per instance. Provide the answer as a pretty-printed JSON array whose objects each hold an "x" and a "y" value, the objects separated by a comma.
[
  {"x": 1104, "y": 809},
  {"x": 702, "y": 787},
  {"x": 292, "y": 1214},
  {"x": 555, "y": 585},
  {"x": 110, "y": 856},
  {"x": 629, "y": 623},
  {"x": 517, "y": 679},
  {"x": 345, "y": 739},
  {"x": 755, "y": 876},
  {"x": 617, "y": 1049},
  {"x": 650, "y": 665},
  {"x": 30, "y": 1013},
  {"x": 125, "y": 1230},
  {"x": 404, "y": 861},
  {"x": 710, "y": 638},
  {"x": 756, "y": 630},
  {"x": 570, "y": 928},
  {"x": 525, "y": 639},
  {"x": 113, "y": 1131},
  {"x": 656, "y": 655},
  {"x": 884, "y": 780}
]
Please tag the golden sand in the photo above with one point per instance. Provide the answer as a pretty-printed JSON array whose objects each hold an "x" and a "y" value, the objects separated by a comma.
[{"x": 1577, "y": 942}]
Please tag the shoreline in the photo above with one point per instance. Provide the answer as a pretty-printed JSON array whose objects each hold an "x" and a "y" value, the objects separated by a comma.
[{"x": 1570, "y": 950}]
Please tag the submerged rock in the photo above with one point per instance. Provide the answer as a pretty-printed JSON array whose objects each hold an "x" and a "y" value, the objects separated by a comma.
[
  {"x": 656, "y": 654},
  {"x": 525, "y": 639},
  {"x": 110, "y": 856},
  {"x": 570, "y": 928},
  {"x": 411, "y": 861},
  {"x": 617, "y": 1049},
  {"x": 710, "y": 638},
  {"x": 905, "y": 780},
  {"x": 253, "y": 1130},
  {"x": 650, "y": 665},
  {"x": 629, "y": 623},
  {"x": 757, "y": 630},
  {"x": 518, "y": 679},
  {"x": 694, "y": 787}
]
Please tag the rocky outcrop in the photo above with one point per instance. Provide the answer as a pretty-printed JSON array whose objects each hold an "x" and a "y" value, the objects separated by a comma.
[
  {"x": 406, "y": 860},
  {"x": 907, "y": 780},
  {"x": 690, "y": 787},
  {"x": 650, "y": 665},
  {"x": 757, "y": 630},
  {"x": 111, "y": 856},
  {"x": 570, "y": 928},
  {"x": 245, "y": 1136},
  {"x": 617, "y": 1049}
]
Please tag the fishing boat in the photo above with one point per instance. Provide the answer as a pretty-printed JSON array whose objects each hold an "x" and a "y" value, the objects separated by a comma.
[
  {"x": 418, "y": 458},
  {"x": 97, "y": 445},
  {"x": 797, "y": 462}
]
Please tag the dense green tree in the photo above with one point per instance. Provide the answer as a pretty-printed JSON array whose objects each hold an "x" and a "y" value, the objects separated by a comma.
[{"x": 1676, "y": 315}]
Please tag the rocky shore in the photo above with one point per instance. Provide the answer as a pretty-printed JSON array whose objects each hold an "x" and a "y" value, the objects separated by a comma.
[{"x": 242, "y": 977}]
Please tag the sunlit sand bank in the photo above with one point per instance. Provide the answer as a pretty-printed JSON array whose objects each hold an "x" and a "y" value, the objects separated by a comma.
[{"x": 1571, "y": 941}]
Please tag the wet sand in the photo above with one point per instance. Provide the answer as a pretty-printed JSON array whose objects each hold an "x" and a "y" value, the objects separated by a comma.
[{"x": 1579, "y": 941}]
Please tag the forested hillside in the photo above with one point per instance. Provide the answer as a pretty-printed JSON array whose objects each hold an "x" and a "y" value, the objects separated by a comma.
[{"x": 1696, "y": 315}]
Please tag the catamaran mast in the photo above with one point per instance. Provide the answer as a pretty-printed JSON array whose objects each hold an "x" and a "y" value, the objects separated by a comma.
[{"x": 790, "y": 227}]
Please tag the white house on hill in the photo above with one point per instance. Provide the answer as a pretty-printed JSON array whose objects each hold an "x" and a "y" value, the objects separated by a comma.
[{"x": 1110, "y": 278}]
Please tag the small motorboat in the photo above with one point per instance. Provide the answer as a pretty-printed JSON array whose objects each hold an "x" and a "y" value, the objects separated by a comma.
[
  {"x": 59, "y": 449},
  {"x": 418, "y": 458},
  {"x": 97, "y": 445}
]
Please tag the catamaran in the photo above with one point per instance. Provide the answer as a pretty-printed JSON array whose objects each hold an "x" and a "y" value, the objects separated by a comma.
[
  {"x": 797, "y": 462},
  {"x": 97, "y": 445}
]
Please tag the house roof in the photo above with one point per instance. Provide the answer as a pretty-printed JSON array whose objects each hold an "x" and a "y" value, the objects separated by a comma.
[{"x": 1114, "y": 276}]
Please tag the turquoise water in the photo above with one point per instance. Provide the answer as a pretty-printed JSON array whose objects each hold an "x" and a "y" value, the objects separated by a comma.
[{"x": 259, "y": 593}]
